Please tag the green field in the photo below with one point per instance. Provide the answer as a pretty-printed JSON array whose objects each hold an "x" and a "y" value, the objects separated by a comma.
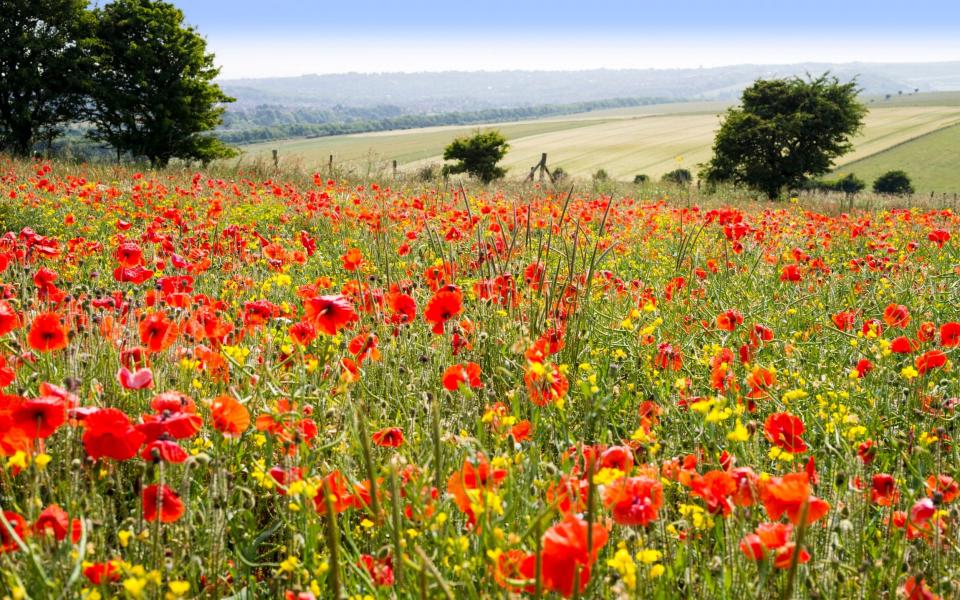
[
  {"x": 648, "y": 139},
  {"x": 930, "y": 160}
]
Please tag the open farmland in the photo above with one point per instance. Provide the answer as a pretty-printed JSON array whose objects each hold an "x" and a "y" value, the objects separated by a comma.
[
  {"x": 256, "y": 388},
  {"x": 624, "y": 142}
]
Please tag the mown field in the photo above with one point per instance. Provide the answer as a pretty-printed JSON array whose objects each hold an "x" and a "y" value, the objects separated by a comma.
[
  {"x": 269, "y": 388},
  {"x": 626, "y": 142}
]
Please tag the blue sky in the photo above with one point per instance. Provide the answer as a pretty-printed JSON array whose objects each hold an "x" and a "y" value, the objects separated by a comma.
[{"x": 284, "y": 37}]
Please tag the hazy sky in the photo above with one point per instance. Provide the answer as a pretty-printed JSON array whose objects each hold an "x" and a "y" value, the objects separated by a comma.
[{"x": 259, "y": 38}]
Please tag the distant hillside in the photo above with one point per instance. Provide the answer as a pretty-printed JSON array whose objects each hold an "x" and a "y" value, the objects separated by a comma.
[{"x": 427, "y": 93}]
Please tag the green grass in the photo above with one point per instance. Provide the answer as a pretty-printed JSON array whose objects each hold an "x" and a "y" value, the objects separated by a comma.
[
  {"x": 624, "y": 142},
  {"x": 930, "y": 160}
]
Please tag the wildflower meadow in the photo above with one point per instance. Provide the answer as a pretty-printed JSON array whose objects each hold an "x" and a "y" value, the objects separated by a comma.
[{"x": 254, "y": 387}]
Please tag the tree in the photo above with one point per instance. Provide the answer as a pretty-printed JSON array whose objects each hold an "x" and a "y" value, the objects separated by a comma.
[
  {"x": 893, "y": 182},
  {"x": 601, "y": 175},
  {"x": 153, "y": 92},
  {"x": 784, "y": 132},
  {"x": 43, "y": 69},
  {"x": 641, "y": 179},
  {"x": 678, "y": 177},
  {"x": 477, "y": 155}
]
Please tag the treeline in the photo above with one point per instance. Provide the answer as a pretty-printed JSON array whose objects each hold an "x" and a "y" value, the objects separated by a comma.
[{"x": 271, "y": 122}]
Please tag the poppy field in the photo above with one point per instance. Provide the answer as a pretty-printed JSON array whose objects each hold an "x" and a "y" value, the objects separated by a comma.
[{"x": 256, "y": 388}]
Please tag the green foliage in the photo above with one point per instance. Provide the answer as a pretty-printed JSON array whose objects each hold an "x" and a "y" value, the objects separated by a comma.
[
  {"x": 641, "y": 179},
  {"x": 477, "y": 155},
  {"x": 601, "y": 175},
  {"x": 43, "y": 69},
  {"x": 678, "y": 177},
  {"x": 785, "y": 131},
  {"x": 559, "y": 174},
  {"x": 849, "y": 184},
  {"x": 893, "y": 182},
  {"x": 153, "y": 91}
]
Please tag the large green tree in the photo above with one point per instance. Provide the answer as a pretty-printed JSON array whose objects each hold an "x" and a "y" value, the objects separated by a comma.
[
  {"x": 153, "y": 90},
  {"x": 784, "y": 132},
  {"x": 43, "y": 70},
  {"x": 477, "y": 155}
]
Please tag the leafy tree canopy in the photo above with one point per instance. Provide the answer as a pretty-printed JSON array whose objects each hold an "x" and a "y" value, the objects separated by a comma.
[
  {"x": 784, "y": 132},
  {"x": 153, "y": 91},
  {"x": 477, "y": 155}
]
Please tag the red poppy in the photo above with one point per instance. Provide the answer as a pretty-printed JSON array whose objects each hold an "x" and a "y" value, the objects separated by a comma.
[
  {"x": 566, "y": 559},
  {"x": 916, "y": 589},
  {"x": 634, "y": 500},
  {"x": 163, "y": 502},
  {"x": 352, "y": 259},
  {"x": 668, "y": 358},
  {"x": 760, "y": 381},
  {"x": 47, "y": 333},
  {"x": 467, "y": 374},
  {"x": 403, "y": 309},
  {"x": 728, "y": 320},
  {"x": 896, "y": 315},
  {"x": 863, "y": 367},
  {"x": 788, "y": 495},
  {"x": 303, "y": 333},
  {"x": 883, "y": 490},
  {"x": 53, "y": 521},
  {"x": 40, "y": 417},
  {"x": 391, "y": 437},
  {"x": 329, "y": 314},
  {"x": 844, "y": 320},
  {"x": 902, "y": 345},
  {"x": 932, "y": 359},
  {"x": 545, "y": 383},
  {"x": 98, "y": 573},
  {"x": 716, "y": 489},
  {"x": 9, "y": 318},
  {"x": 791, "y": 273},
  {"x": 445, "y": 305},
  {"x": 939, "y": 237},
  {"x": 784, "y": 430},
  {"x": 334, "y": 486},
  {"x": 8, "y": 543},
  {"x": 380, "y": 570},
  {"x": 165, "y": 451},
  {"x": 229, "y": 416},
  {"x": 108, "y": 433},
  {"x": 950, "y": 334},
  {"x": 944, "y": 485},
  {"x": 158, "y": 332},
  {"x": 470, "y": 478}
]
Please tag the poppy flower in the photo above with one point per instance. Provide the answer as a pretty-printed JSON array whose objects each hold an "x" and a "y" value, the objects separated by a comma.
[
  {"x": 229, "y": 416},
  {"x": 99, "y": 573},
  {"x": 545, "y": 383},
  {"x": 163, "y": 502},
  {"x": 944, "y": 485},
  {"x": 791, "y": 273},
  {"x": 728, "y": 320},
  {"x": 391, "y": 437},
  {"x": 158, "y": 332},
  {"x": 467, "y": 374},
  {"x": 136, "y": 275},
  {"x": 138, "y": 380},
  {"x": 9, "y": 318},
  {"x": 772, "y": 537},
  {"x": 335, "y": 486},
  {"x": 783, "y": 430},
  {"x": 844, "y": 320},
  {"x": 303, "y": 333},
  {"x": 788, "y": 495},
  {"x": 329, "y": 314},
  {"x": 47, "y": 333},
  {"x": 8, "y": 543},
  {"x": 380, "y": 570},
  {"x": 716, "y": 489},
  {"x": 896, "y": 315},
  {"x": 883, "y": 490},
  {"x": 352, "y": 259},
  {"x": 53, "y": 521},
  {"x": 40, "y": 417},
  {"x": 950, "y": 334},
  {"x": 863, "y": 367},
  {"x": 403, "y": 308},
  {"x": 760, "y": 381},
  {"x": 565, "y": 559},
  {"x": 108, "y": 433},
  {"x": 445, "y": 305},
  {"x": 520, "y": 431},
  {"x": 634, "y": 500},
  {"x": 470, "y": 479},
  {"x": 916, "y": 589},
  {"x": 902, "y": 345},
  {"x": 939, "y": 237},
  {"x": 165, "y": 451},
  {"x": 932, "y": 359}
]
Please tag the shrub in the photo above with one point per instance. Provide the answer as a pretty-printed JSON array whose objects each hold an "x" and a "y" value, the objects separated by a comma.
[
  {"x": 893, "y": 182},
  {"x": 601, "y": 175},
  {"x": 678, "y": 177},
  {"x": 641, "y": 179}
]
